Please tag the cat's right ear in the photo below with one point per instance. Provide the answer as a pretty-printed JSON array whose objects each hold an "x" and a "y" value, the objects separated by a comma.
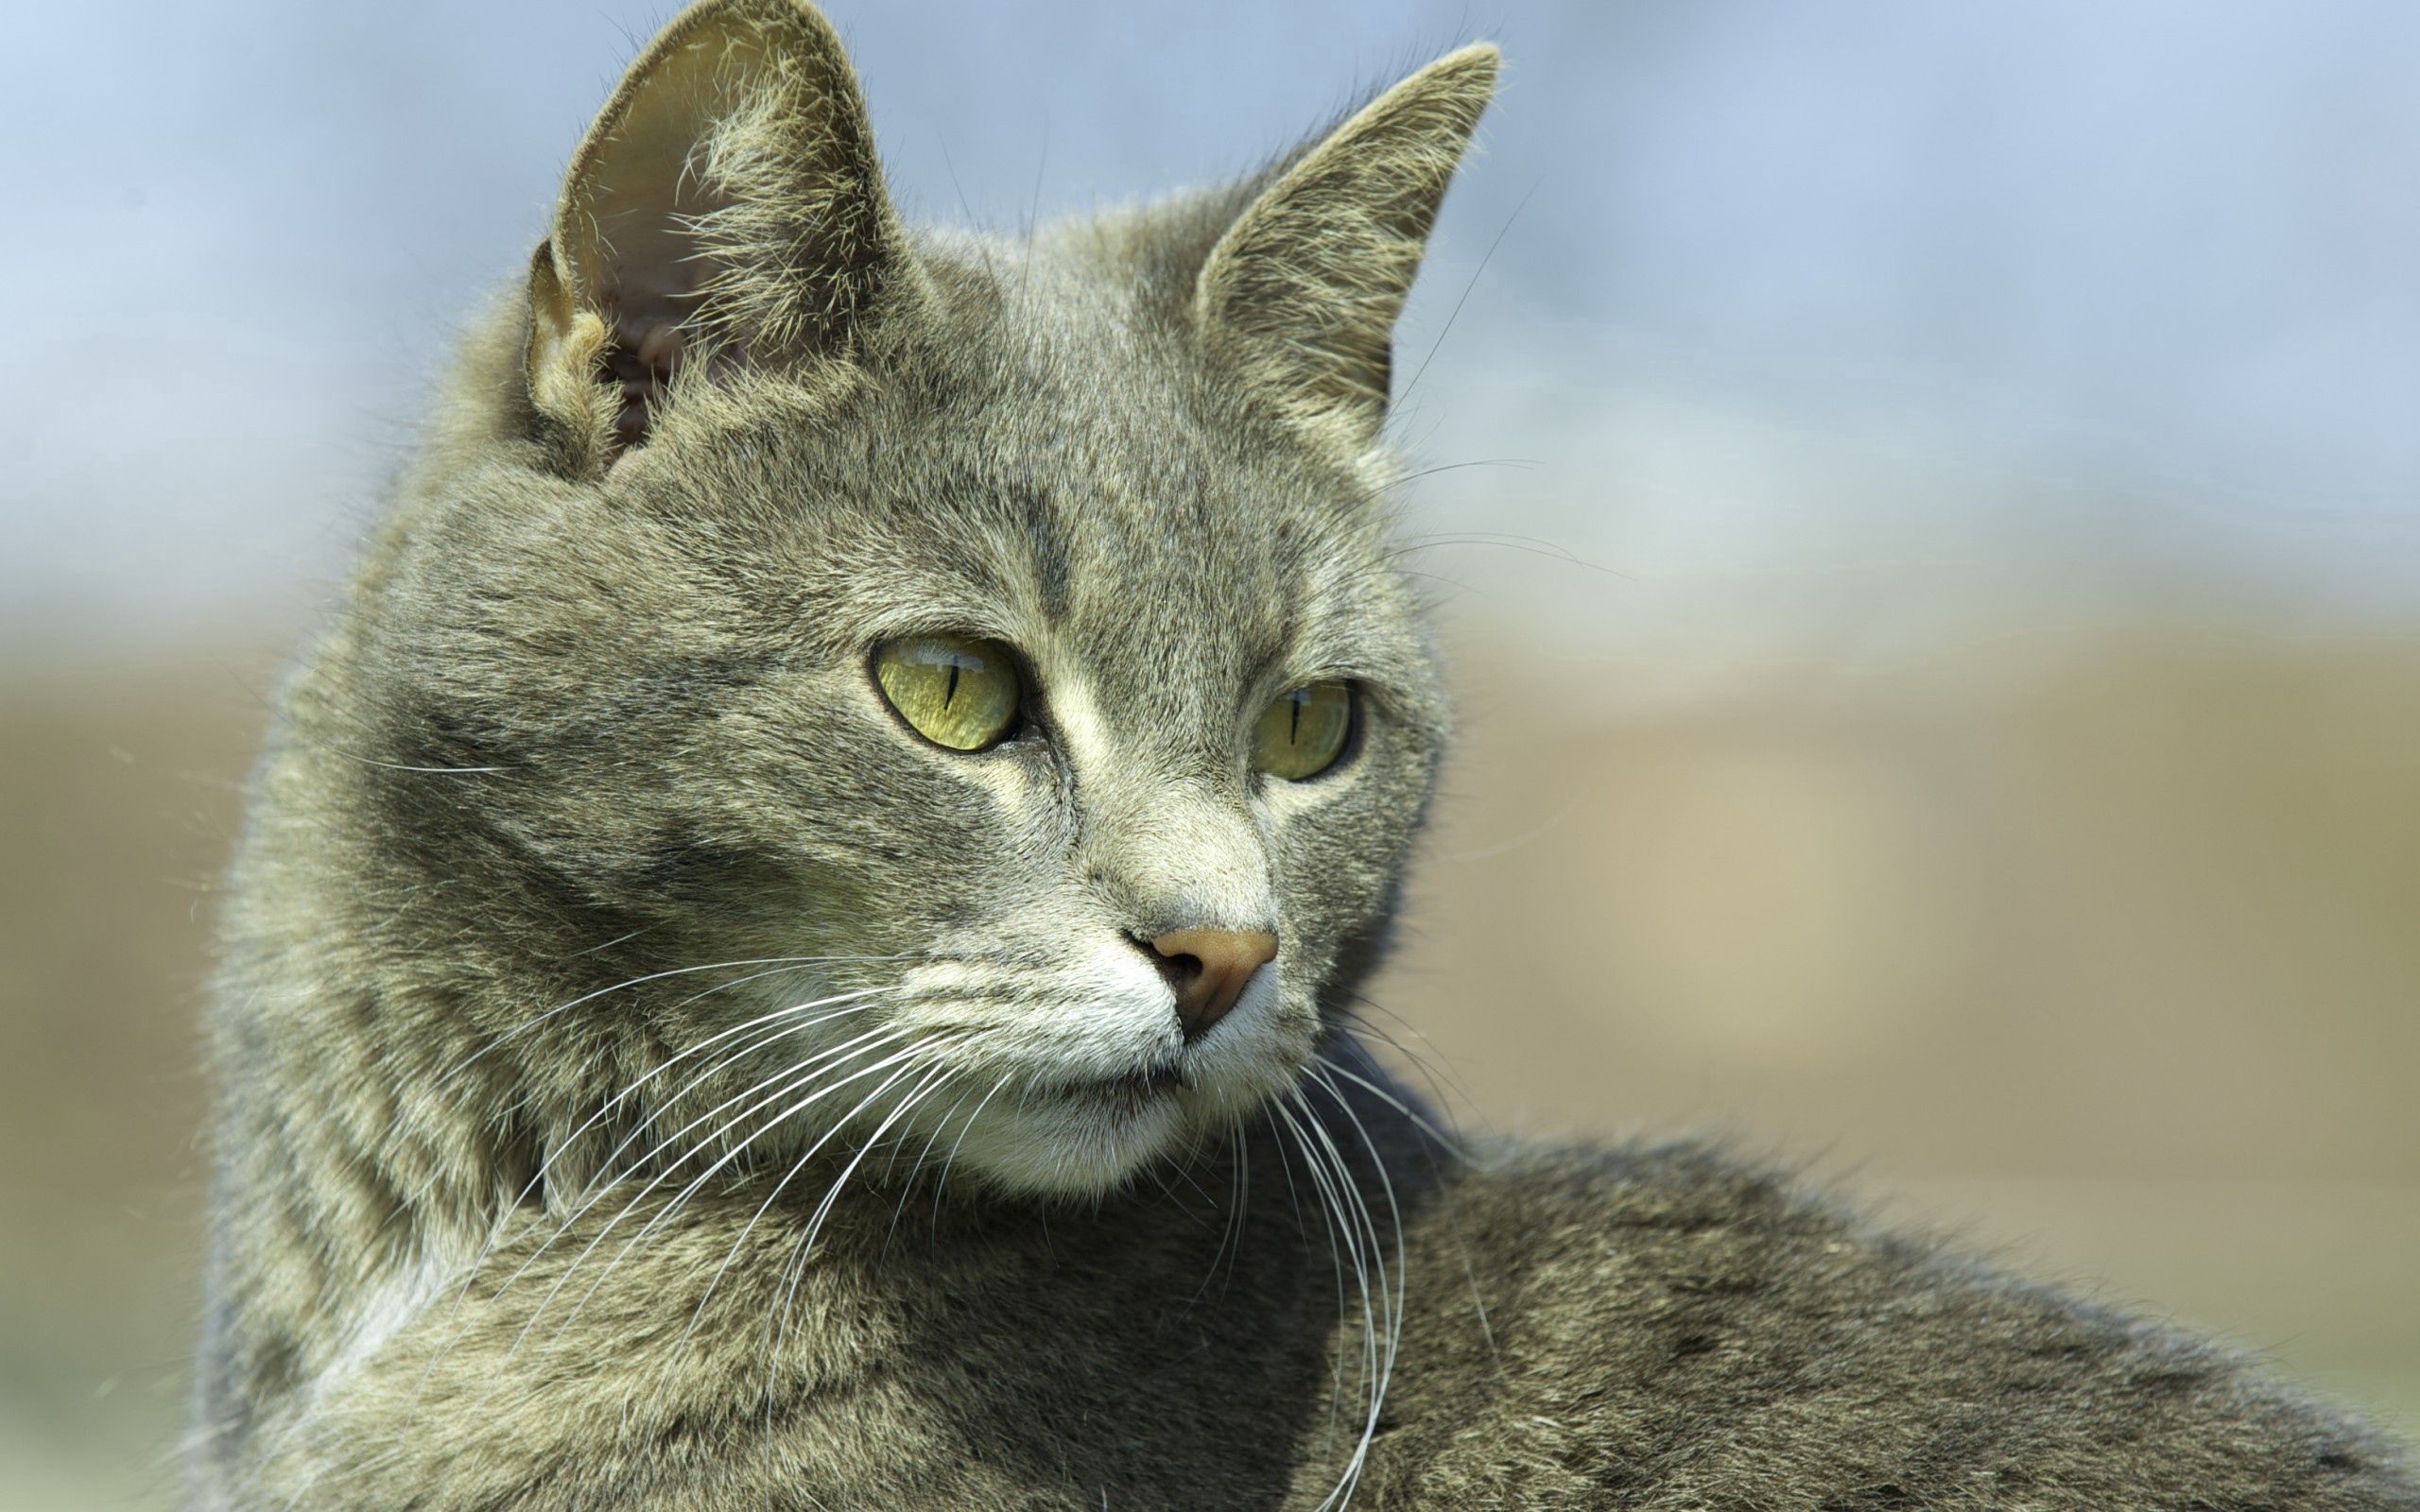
[
  {"x": 1301, "y": 293},
  {"x": 726, "y": 207}
]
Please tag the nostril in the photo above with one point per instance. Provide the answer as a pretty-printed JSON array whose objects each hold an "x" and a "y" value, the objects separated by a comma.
[
  {"x": 1180, "y": 970},
  {"x": 1207, "y": 970}
]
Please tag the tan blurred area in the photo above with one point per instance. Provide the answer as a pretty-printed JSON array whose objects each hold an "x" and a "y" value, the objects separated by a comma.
[{"x": 2098, "y": 948}]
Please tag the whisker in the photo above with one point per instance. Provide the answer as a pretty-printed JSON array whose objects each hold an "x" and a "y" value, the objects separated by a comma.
[
  {"x": 611, "y": 1161},
  {"x": 1230, "y": 1232},
  {"x": 1178, "y": 1168},
  {"x": 908, "y": 1189},
  {"x": 790, "y": 963},
  {"x": 839, "y": 1124},
  {"x": 941, "y": 1182},
  {"x": 881, "y": 1038},
  {"x": 682, "y": 1200},
  {"x": 1399, "y": 480},
  {"x": 1332, "y": 1219},
  {"x": 1430, "y": 1071},
  {"x": 563, "y": 1145},
  {"x": 1444, "y": 1141},
  {"x": 499, "y": 1229},
  {"x": 1456, "y": 314},
  {"x": 520, "y": 1029},
  {"x": 1396, "y": 1307},
  {"x": 1243, "y": 1196},
  {"x": 1450, "y": 1144},
  {"x": 939, "y": 1128},
  {"x": 837, "y": 1057},
  {"x": 1286, "y": 1166},
  {"x": 1503, "y": 539},
  {"x": 617, "y": 1175},
  {"x": 1382, "y": 1315},
  {"x": 796, "y": 1266}
]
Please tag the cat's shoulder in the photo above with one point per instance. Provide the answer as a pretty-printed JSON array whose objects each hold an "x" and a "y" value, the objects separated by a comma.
[{"x": 1672, "y": 1320}]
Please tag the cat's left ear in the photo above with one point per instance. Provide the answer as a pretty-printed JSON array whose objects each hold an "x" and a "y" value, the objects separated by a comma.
[
  {"x": 1301, "y": 293},
  {"x": 726, "y": 207}
]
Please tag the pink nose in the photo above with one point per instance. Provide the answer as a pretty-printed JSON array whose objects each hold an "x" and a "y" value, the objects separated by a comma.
[{"x": 1208, "y": 968}]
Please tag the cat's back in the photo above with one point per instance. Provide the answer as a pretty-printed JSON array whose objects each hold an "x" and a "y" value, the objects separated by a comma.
[{"x": 1667, "y": 1327}]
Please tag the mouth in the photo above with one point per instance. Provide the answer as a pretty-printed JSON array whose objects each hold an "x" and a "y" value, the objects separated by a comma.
[{"x": 1131, "y": 1092}]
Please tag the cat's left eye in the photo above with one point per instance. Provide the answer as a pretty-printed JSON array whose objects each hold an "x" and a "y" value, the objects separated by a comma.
[
  {"x": 953, "y": 690},
  {"x": 1302, "y": 733}
]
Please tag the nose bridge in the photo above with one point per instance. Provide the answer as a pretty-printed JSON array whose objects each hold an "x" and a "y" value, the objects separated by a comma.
[
  {"x": 1163, "y": 829},
  {"x": 1177, "y": 854}
]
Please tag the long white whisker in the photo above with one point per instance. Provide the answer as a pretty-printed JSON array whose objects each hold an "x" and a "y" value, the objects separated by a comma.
[
  {"x": 1331, "y": 1220},
  {"x": 849, "y": 1050},
  {"x": 615, "y": 1175},
  {"x": 774, "y": 1036},
  {"x": 1396, "y": 1305},
  {"x": 1444, "y": 1141},
  {"x": 941, "y": 1127},
  {"x": 796, "y": 1264},
  {"x": 879, "y": 1038},
  {"x": 796, "y": 1166},
  {"x": 941, "y": 1075},
  {"x": 681, "y": 1198},
  {"x": 942, "y": 1181},
  {"x": 1230, "y": 1232},
  {"x": 1376, "y": 1357},
  {"x": 1429, "y": 1070},
  {"x": 1285, "y": 1168},
  {"x": 520, "y": 1029},
  {"x": 597, "y": 1194},
  {"x": 563, "y": 1146},
  {"x": 1243, "y": 1196},
  {"x": 788, "y": 1114},
  {"x": 792, "y": 963}
]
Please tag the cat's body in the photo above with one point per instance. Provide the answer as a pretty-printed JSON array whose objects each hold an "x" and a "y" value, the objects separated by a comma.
[
  {"x": 1648, "y": 1328},
  {"x": 663, "y": 1067}
]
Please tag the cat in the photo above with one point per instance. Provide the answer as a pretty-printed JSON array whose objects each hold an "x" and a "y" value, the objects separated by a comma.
[{"x": 794, "y": 939}]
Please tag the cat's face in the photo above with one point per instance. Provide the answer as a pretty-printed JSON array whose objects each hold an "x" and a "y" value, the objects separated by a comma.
[{"x": 675, "y": 644}]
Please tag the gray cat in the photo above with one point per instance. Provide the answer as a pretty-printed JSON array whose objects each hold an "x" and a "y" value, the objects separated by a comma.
[{"x": 793, "y": 940}]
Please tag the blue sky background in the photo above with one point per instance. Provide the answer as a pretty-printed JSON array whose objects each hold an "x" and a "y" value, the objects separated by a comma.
[{"x": 1854, "y": 320}]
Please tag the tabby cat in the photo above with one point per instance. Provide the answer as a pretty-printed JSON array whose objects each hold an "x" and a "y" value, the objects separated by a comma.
[{"x": 796, "y": 933}]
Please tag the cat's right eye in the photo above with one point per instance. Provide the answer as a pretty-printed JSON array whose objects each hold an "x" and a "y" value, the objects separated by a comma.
[
  {"x": 1302, "y": 733},
  {"x": 954, "y": 691}
]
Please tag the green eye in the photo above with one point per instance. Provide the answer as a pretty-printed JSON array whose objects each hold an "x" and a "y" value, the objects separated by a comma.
[
  {"x": 1302, "y": 733},
  {"x": 954, "y": 692}
]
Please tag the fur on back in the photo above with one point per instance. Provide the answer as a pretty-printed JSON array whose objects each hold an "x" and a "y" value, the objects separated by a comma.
[{"x": 651, "y": 1074}]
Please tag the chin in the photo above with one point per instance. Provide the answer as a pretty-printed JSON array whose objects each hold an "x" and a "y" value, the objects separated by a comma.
[
  {"x": 1085, "y": 1137},
  {"x": 1085, "y": 1143}
]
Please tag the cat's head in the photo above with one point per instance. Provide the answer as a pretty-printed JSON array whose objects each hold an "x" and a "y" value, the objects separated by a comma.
[{"x": 972, "y": 670}]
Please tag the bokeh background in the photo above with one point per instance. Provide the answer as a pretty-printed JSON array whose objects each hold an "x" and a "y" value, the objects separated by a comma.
[{"x": 1925, "y": 515}]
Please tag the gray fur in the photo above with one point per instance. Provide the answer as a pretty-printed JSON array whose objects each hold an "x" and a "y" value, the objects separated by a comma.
[{"x": 525, "y": 1194}]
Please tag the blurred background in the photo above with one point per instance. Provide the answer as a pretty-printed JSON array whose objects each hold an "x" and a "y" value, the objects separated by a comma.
[{"x": 1924, "y": 516}]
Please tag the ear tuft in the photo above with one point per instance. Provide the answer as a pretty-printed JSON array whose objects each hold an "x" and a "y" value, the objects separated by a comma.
[
  {"x": 726, "y": 207},
  {"x": 1302, "y": 293}
]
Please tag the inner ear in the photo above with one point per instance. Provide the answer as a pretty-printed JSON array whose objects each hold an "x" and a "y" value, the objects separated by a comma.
[
  {"x": 650, "y": 271},
  {"x": 726, "y": 208},
  {"x": 636, "y": 199}
]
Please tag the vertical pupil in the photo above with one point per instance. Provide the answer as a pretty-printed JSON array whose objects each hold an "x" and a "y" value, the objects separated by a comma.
[
  {"x": 1294, "y": 718},
  {"x": 950, "y": 695}
]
